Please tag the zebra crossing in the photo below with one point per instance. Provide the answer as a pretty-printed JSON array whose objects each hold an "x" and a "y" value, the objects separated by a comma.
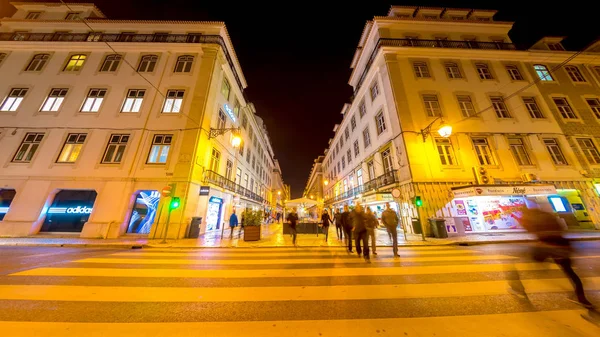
[{"x": 293, "y": 292}]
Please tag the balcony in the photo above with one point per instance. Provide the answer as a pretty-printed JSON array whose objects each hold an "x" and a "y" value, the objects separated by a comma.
[
  {"x": 125, "y": 37},
  {"x": 218, "y": 180},
  {"x": 382, "y": 181},
  {"x": 389, "y": 42}
]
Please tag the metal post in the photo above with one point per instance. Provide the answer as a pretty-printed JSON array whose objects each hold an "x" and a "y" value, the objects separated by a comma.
[
  {"x": 164, "y": 240},
  {"x": 162, "y": 205},
  {"x": 421, "y": 222}
]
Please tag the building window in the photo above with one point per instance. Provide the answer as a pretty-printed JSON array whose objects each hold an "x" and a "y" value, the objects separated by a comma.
[
  {"x": 366, "y": 137},
  {"x": 596, "y": 69},
  {"x": 111, "y": 63},
  {"x": 347, "y": 133},
  {"x": 380, "y": 123},
  {"x": 432, "y": 105},
  {"x": 543, "y": 72},
  {"x": 134, "y": 100},
  {"x": 241, "y": 149},
  {"x": 221, "y": 121},
  {"x": 215, "y": 160},
  {"x": 2, "y": 57},
  {"x": 159, "y": 152},
  {"x": 359, "y": 177},
  {"x": 555, "y": 151},
  {"x": 236, "y": 107},
  {"x": 374, "y": 91},
  {"x": 184, "y": 64},
  {"x": 75, "y": 63},
  {"x": 589, "y": 150},
  {"x": 362, "y": 108},
  {"x": 452, "y": 70},
  {"x": 33, "y": 15},
  {"x": 173, "y": 101},
  {"x": 500, "y": 107},
  {"x": 341, "y": 142},
  {"x": 13, "y": 100},
  {"x": 371, "y": 170},
  {"x": 445, "y": 151},
  {"x": 349, "y": 156},
  {"x": 115, "y": 149},
  {"x": 356, "y": 148},
  {"x": 421, "y": 69},
  {"x": 555, "y": 46},
  {"x": 532, "y": 107},
  {"x": 353, "y": 122},
  {"x": 93, "y": 100},
  {"x": 28, "y": 147},
  {"x": 564, "y": 108},
  {"x": 386, "y": 159},
  {"x": 519, "y": 152},
  {"x": 38, "y": 62},
  {"x": 483, "y": 70},
  {"x": 54, "y": 99},
  {"x": 466, "y": 105},
  {"x": 72, "y": 148},
  {"x": 244, "y": 121},
  {"x": 147, "y": 63},
  {"x": 575, "y": 74},
  {"x": 483, "y": 151},
  {"x": 228, "y": 169},
  {"x": 594, "y": 104},
  {"x": 73, "y": 16},
  {"x": 514, "y": 73},
  {"x": 238, "y": 176},
  {"x": 343, "y": 163},
  {"x": 225, "y": 88}
]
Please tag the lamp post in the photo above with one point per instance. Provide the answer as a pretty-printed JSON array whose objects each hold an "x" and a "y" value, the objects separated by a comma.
[{"x": 445, "y": 130}]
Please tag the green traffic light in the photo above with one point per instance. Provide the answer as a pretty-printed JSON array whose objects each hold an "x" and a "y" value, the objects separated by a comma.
[
  {"x": 418, "y": 201},
  {"x": 174, "y": 203}
]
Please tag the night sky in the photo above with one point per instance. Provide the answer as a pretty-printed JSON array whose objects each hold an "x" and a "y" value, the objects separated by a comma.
[{"x": 296, "y": 55}]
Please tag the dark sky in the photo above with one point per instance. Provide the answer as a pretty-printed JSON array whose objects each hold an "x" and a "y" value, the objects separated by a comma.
[{"x": 296, "y": 55}]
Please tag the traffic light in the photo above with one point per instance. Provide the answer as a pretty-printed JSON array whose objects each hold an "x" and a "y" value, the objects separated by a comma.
[
  {"x": 174, "y": 203},
  {"x": 418, "y": 201}
]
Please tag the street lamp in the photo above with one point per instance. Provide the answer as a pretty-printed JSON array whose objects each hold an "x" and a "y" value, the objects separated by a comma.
[
  {"x": 326, "y": 182},
  {"x": 236, "y": 140},
  {"x": 278, "y": 192},
  {"x": 445, "y": 130}
]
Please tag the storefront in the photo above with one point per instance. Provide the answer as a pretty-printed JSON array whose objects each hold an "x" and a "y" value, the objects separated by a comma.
[
  {"x": 214, "y": 213},
  {"x": 6, "y": 198},
  {"x": 487, "y": 208},
  {"x": 144, "y": 212},
  {"x": 377, "y": 201},
  {"x": 69, "y": 211}
]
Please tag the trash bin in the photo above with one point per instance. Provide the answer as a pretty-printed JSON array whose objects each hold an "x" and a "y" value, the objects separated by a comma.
[
  {"x": 416, "y": 225},
  {"x": 438, "y": 227},
  {"x": 194, "y": 230}
]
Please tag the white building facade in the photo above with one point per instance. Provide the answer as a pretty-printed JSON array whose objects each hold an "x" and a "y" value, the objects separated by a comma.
[{"x": 98, "y": 116}]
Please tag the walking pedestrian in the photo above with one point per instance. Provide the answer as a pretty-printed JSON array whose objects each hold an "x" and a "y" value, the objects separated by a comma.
[
  {"x": 233, "y": 223},
  {"x": 390, "y": 221},
  {"x": 293, "y": 219},
  {"x": 278, "y": 217},
  {"x": 359, "y": 221},
  {"x": 551, "y": 245},
  {"x": 337, "y": 218},
  {"x": 346, "y": 222},
  {"x": 326, "y": 221},
  {"x": 372, "y": 224}
]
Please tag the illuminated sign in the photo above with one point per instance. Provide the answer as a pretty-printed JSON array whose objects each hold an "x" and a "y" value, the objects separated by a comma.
[
  {"x": 215, "y": 199},
  {"x": 229, "y": 112},
  {"x": 204, "y": 190},
  {"x": 70, "y": 210},
  {"x": 3, "y": 210}
]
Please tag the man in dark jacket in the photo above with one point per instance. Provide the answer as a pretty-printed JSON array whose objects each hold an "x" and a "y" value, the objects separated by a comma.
[
  {"x": 337, "y": 218},
  {"x": 359, "y": 221},
  {"x": 346, "y": 222},
  {"x": 293, "y": 219},
  {"x": 390, "y": 220}
]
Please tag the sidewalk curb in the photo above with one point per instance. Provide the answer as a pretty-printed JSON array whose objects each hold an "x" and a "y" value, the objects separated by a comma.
[{"x": 170, "y": 246}]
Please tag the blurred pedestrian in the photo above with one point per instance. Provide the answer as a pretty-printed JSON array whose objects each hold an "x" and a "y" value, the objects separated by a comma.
[
  {"x": 337, "y": 218},
  {"x": 390, "y": 221},
  {"x": 233, "y": 223},
  {"x": 278, "y": 216},
  {"x": 359, "y": 222},
  {"x": 552, "y": 245},
  {"x": 346, "y": 221},
  {"x": 372, "y": 224},
  {"x": 326, "y": 221},
  {"x": 293, "y": 219}
]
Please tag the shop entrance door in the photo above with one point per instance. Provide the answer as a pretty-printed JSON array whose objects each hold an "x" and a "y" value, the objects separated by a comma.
[
  {"x": 213, "y": 217},
  {"x": 144, "y": 212},
  {"x": 69, "y": 211}
]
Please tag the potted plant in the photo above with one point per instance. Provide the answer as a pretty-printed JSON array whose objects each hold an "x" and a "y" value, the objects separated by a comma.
[{"x": 252, "y": 221}]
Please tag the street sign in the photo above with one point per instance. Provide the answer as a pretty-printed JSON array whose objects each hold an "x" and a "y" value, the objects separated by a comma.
[
  {"x": 396, "y": 193},
  {"x": 166, "y": 191}
]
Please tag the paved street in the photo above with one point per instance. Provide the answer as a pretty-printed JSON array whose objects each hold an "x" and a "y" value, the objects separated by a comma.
[{"x": 320, "y": 291}]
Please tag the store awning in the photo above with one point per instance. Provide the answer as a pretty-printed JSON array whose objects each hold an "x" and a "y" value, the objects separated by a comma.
[
  {"x": 491, "y": 190},
  {"x": 303, "y": 202},
  {"x": 377, "y": 198}
]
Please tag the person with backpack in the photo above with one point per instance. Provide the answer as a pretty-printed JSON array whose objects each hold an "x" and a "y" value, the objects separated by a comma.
[
  {"x": 233, "y": 223},
  {"x": 326, "y": 221},
  {"x": 293, "y": 219},
  {"x": 390, "y": 221}
]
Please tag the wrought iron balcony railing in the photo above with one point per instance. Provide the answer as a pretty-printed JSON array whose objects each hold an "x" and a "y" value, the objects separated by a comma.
[
  {"x": 383, "y": 180},
  {"x": 390, "y": 42},
  {"x": 217, "y": 179},
  {"x": 124, "y": 37}
]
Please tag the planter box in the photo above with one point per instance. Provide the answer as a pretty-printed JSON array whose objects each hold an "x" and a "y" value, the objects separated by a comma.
[{"x": 252, "y": 233}]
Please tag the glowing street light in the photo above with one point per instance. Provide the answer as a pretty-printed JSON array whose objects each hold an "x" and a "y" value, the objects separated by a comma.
[
  {"x": 236, "y": 141},
  {"x": 445, "y": 130},
  {"x": 326, "y": 182}
]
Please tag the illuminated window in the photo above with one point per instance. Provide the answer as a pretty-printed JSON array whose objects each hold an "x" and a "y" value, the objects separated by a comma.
[
  {"x": 215, "y": 160},
  {"x": 445, "y": 151},
  {"x": 115, "y": 149},
  {"x": 564, "y": 108},
  {"x": 14, "y": 99},
  {"x": 72, "y": 148},
  {"x": 184, "y": 64},
  {"x": 432, "y": 105},
  {"x": 543, "y": 72},
  {"x": 575, "y": 74},
  {"x": 514, "y": 73},
  {"x": 75, "y": 63},
  {"x": 225, "y": 88},
  {"x": 28, "y": 147},
  {"x": 173, "y": 101},
  {"x": 147, "y": 63},
  {"x": 38, "y": 62},
  {"x": 54, "y": 100},
  {"x": 159, "y": 152},
  {"x": 134, "y": 100},
  {"x": 421, "y": 69},
  {"x": 221, "y": 121},
  {"x": 589, "y": 150},
  {"x": 555, "y": 151},
  {"x": 93, "y": 101},
  {"x": 483, "y": 70},
  {"x": 500, "y": 107},
  {"x": 532, "y": 107},
  {"x": 452, "y": 70}
]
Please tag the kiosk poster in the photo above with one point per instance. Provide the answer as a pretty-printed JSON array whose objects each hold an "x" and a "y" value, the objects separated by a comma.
[
  {"x": 501, "y": 212},
  {"x": 460, "y": 207}
]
